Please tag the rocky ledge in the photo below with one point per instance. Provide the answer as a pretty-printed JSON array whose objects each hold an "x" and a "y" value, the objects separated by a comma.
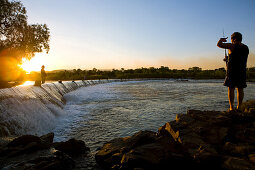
[
  {"x": 198, "y": 139},
  {"x": 33, "y": 152}
]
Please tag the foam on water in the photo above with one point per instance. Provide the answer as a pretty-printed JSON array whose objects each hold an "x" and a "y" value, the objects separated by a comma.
[
  {"x": 34, "y": 110},
  {"x": 78, "y": 104}
]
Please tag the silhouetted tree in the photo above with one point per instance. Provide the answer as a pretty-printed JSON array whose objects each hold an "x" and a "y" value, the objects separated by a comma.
[{"x": 18, "y": 39}]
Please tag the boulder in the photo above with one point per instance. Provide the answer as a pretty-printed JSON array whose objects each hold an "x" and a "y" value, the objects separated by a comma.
[
  {"x": 112, "y": 152},
  {"x": 48, "y": 138},
  {"x": 27, "y": 144},
  {"x": 71, "y": 147},
  {"x": 57, "y": 161},
  {"x": 24, "y": 140}
]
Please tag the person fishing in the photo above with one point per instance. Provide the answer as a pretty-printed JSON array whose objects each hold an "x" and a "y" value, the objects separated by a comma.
[
  {"x": 236, "y": 63},
  {"x": 43, "y": 74}
]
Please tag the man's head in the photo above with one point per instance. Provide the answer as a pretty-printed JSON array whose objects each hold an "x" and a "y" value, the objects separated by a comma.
[{"x": 236, "y": 37}]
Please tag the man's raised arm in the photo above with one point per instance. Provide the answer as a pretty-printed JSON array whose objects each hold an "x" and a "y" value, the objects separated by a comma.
[{"x": 221, "y": 43}]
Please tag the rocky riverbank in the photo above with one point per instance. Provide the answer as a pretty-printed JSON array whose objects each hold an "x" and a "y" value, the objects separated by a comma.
[{"x": 198, "y": 139}]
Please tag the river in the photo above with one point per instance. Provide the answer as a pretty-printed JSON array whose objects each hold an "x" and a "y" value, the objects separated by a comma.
[{"x": 97, "y": 114}]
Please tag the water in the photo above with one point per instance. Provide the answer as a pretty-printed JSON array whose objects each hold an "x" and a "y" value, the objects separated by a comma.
[
  {"x": 97, "y": 114},
  {"x": 28, "y": 109}
]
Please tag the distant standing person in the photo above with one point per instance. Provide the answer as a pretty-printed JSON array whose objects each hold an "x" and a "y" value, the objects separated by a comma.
[
  {"x": 236, "y": 67},
  {"x": 43, "y": 74}
]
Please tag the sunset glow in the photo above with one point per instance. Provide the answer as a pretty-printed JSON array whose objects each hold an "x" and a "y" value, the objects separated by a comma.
[
  {"x": 34, "y": 64},
  {"x": 133, "y": 34}
]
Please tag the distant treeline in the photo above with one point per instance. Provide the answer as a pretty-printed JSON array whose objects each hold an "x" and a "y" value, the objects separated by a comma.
[{"x": 162, "y": 72}]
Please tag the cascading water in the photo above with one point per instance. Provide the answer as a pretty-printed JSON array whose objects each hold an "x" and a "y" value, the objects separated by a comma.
[{"x": 34, "y": 110}]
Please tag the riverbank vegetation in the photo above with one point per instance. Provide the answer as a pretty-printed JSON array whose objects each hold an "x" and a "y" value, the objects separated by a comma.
[{"x": 161, "y": 72}]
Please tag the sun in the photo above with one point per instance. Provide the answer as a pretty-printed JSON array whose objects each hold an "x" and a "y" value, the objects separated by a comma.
[{"x": 32, "y": 65}]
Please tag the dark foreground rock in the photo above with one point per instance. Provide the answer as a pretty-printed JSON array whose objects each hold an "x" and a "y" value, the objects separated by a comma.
[
  {"x": 33, "y": 152},
  {"x": 198, "y": 139},
  {"x": 58, "y": 160},
  {"x": 72, "y": 147}
]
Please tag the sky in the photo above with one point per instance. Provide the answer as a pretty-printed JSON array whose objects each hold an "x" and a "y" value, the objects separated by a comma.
[{"x": 114, "y": 34}]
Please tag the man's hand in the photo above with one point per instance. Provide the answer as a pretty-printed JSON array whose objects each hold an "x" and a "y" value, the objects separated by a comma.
[
  {"x": 222, "y": 43},
  {"x": 223, "y": 39}
]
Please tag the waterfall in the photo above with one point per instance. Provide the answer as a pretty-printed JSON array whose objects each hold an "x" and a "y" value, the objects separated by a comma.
[{"x": 34, "y": 110}]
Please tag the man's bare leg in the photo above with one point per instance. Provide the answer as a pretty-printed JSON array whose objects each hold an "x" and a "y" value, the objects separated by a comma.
[
  {"x": 231, "y": 95},
  {"x": 240, "y": 96}
]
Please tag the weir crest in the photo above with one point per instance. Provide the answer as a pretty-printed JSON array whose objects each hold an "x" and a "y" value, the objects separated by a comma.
[{"x": 34, "y": 110}]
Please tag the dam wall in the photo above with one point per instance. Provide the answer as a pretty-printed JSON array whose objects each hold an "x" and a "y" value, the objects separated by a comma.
[{"x": 35, "y": 109}]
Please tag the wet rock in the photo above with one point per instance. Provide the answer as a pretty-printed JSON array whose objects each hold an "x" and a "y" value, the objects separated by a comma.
[{"x": 71, "y": 147}]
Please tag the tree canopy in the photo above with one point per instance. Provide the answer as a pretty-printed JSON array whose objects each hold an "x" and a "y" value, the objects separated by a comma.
[{"x": 18, "y": 39}]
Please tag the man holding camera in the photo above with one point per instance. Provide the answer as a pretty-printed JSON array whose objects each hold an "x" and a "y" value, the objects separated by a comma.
[{"x": 236, "y": 67}]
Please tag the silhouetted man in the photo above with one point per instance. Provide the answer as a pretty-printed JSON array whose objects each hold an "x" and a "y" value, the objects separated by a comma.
[
  {"x": 236, "y": 67},
  {"x": 43, "y": 74}
]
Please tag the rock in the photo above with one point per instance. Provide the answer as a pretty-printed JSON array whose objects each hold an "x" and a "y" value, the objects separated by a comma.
[
  {"x": 215, "y": 135},
  {"x": 31, "y": 147},
  {"x": 241, "y": 149},
  {"x": 27, "y": 144},
  {"x": 146, "y": 156},
  {"x": 24, "y": 140},
  {"x": 141, "y": 138},
  {"x": 156, "y": 155},
  {"x": 248, "y": 106},
  {"x": 169, "y": 131},
  {"x": 57, "y": 161},
  {"x": 237, "y": 163},
  {"x": 112, "y": 152},
  {"x": 48, "y": 138},
  {"x": 71, "y": 147},
  {"x": 32, "y": 152},
  {"x": 4, "y": 131}
]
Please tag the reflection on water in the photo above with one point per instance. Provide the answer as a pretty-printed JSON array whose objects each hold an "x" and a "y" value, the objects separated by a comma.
[
  {"x": 100, "y": 113},
  {"x": 27, "y": 83}
]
